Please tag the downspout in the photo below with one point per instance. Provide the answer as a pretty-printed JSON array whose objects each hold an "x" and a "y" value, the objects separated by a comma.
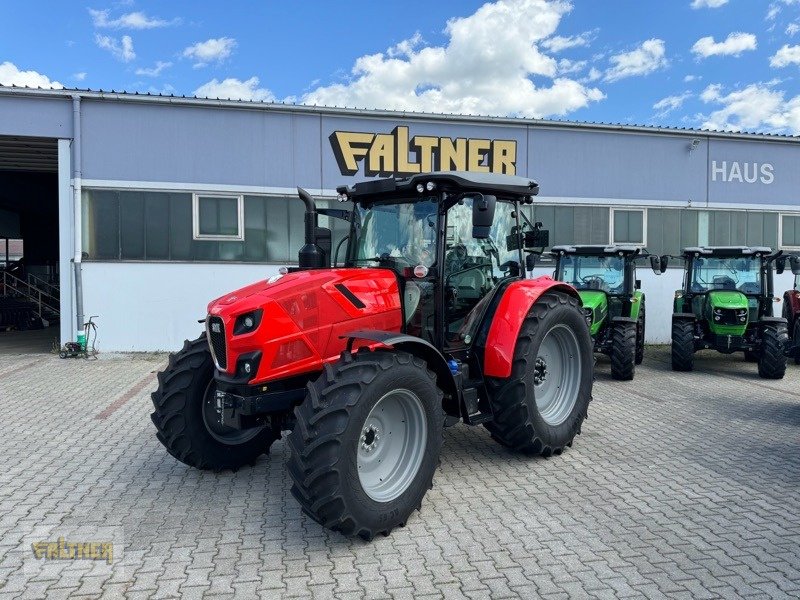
[{"x": 76, "y": 187}]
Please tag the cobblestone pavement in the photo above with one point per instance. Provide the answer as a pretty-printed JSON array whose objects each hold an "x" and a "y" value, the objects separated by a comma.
[{"x": 682, "y": 485}]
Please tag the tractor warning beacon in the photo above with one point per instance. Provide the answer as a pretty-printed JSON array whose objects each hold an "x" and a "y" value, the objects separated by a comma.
[{"x": 430, "y": 319}]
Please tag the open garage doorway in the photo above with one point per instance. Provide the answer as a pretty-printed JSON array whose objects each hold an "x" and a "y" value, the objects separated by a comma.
[{"x": 29, "y": 245}]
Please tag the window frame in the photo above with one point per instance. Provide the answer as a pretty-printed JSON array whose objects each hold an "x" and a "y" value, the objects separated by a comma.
[
  {"x": 612, "y": 233},
  {"x": 197, "y": 236},
  {"x": 781, "y": 245}
]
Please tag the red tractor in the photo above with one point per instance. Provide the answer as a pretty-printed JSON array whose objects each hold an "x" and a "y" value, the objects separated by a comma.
[
  {"x": 791, "y": 309},
  {"x": 431, "y": 320}
]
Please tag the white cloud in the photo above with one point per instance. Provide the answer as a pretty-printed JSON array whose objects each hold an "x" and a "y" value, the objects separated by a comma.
[
  {"x": 645, "y": 59},
  {"x": 708, "y": 3},
  {"x": 154, "y": 71},
  {"x": 471, "y": 73},
  {"x": 11, "y": 75},
  {"x": 594, "y": 74},
  {"x": 120, "y": 49},
  {"x": 792, "y": 29},
  {"x": 235, "y": 89},
  {"x": 759, "y": 106},
  {"x": 670, "y": 103},
  {"x": 733, "y": 45},
  {"x": 566, "y": 66},
  {"x": 690, "y": 78},
  {"x": 212, "y": 50},
  {"x": 558, "y": 43},
  {"x": 785, "y": 56},
  {"x": 79, "y": 76},
  {"x": 133, "y": 20}
]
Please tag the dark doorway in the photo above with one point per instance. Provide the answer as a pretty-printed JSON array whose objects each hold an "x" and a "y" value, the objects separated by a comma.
[{"x": 29, "y": 260}]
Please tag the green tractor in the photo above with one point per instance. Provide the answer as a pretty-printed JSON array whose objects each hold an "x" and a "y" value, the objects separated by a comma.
[
  {"x": 613, "y": 304},
  {"x": 726, "y": 304}
]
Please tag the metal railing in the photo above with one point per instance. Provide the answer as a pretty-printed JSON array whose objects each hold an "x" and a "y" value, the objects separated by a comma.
[
  {"x": 51, "y": 288},
  {"x": 11, "y": 285}
]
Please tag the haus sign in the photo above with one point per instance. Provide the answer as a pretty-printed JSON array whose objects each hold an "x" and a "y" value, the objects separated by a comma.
[
  {"x": 742, "y": 172},
  {"x": 399, "y": 154}
]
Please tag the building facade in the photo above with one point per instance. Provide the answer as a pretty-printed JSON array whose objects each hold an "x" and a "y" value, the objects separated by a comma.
[{"x": 165, "y": 203}]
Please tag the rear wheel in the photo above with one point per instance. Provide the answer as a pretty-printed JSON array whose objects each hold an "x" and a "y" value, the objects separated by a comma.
[
  {"x": 186, "y": 417},
  {"x": 796, "y": 341},
  {"x": 539, "y": 409},
  {"x": 640, "y": 334},
  {"x": 682, "y": 345},
  {"x": 623, "y": 350},
  {"x": 367, "y": 442},
  {"x": 772, "y": 360}
]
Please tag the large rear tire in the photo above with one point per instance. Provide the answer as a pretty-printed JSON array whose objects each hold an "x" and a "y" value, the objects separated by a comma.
[
  {"x": 796, "y": 341},
  {"x": 623, "y": 351},
  {"x": 772, "y": 360},
  {"x": 682, "y": 345},
  {"x": 539, "y": 409},
  {"x": 366, "y": 443},
  {"x": 640, "y": 323},
  {"x": 186, "y": 419}
]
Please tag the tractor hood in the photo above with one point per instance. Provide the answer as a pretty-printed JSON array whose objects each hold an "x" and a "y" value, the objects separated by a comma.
[
  {"x": 727, "y": 299},
  {"x": 593, "y": 298},
  {"x": 297, "y": 319}
]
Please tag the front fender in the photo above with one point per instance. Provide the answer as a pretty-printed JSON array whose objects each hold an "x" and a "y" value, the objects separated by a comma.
[{"x": 514, "y": 306}]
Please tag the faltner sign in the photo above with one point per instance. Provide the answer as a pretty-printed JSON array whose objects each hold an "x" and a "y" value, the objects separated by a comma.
[{"x": 395, "y": 153}]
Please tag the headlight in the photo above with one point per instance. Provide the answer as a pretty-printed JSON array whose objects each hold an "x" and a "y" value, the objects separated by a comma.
[
  {"x": 248, "y": 322},
  {"x": 588, "y": 314},
  {"x": 717, "y": 311}
]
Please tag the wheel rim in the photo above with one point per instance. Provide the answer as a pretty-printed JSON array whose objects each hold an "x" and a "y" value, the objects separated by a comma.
[
  {"x": 557, "y": 375},
  {"x": 391, "y": 445},
  {"x": 222, "y": 433}
]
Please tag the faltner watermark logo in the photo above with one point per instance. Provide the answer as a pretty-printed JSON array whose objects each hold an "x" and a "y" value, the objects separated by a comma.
[{"x": 396, "y": 153}]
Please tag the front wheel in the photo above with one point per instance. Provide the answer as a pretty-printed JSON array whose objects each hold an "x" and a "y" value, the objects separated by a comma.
[
  {"x": 682, "y": 345},
  {"x": 623, "y": 350},
  {"x": 640, "y": 323},
  {"x": 772, "y": 360},
  {"x": 186, "y": 417},
  {"x": 539, "y": 409},
  {"x": 366, "y": 443}
]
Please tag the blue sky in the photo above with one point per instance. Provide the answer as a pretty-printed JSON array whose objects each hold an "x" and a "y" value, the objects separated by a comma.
[{"x": 722, "y": 64}]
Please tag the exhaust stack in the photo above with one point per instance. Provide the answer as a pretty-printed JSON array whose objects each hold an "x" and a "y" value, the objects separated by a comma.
[{"x": 311, "y": 256}]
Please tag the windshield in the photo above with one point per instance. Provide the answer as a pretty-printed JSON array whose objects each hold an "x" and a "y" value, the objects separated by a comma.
[
  {"x": 403, "y": 232},
  {"x": 738, "y": 273},
  {"x": 604, "y": 273}
]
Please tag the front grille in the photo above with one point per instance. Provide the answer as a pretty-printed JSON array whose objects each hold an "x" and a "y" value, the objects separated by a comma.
[
  {"x": 215, "y": 331},
  {"x": 727, "y": 316}
]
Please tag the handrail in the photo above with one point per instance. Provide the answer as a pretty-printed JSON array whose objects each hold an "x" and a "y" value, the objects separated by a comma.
[
  {"x": 41, "y": 283},
  {"x": 32, "y": 293}
]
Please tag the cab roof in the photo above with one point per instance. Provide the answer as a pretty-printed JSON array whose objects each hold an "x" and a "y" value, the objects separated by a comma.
[
  {"x": 504, "y": 186},
  {"x": 727, "y": 251},
  {"x": 597, "y": 250}
]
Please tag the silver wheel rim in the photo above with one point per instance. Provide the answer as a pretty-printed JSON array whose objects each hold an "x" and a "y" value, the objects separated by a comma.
[
  {"x": 391, "y": 445},
  {"x": 222, "y": 433},
  {"x": 557, "y": 375}
]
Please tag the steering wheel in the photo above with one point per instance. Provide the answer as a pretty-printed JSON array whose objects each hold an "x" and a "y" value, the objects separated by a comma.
[{"x": 593, "y": 281}]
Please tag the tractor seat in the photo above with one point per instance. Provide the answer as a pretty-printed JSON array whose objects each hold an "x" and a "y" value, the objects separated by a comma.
[{"x": 724, "y": 282}]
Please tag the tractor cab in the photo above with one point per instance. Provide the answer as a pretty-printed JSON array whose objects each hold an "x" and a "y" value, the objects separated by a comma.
[
  {"x": 451, "y": 240},
  {"x": 727, "y": 304}
]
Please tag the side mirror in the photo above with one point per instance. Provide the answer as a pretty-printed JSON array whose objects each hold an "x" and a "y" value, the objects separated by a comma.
[
  {"x": 538, "y": 238},
  {"x": 530, "y": 261},
  {"x": 483, "y": 216},
  {"x": 794, "y": 263},
  {"x": 655, "y": 264},
  {"x": 638, "y": 284},
  {"x": 780, "y": 265},
  {"x": 664, "y": 263}
]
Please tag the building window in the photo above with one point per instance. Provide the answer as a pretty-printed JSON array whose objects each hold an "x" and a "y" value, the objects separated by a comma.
[
  {"x": 629, "y": 226},
  {"x": 790, "y": 232},
  {"x": 572, "y": 224},
  {"x": 218, "y": 217}
]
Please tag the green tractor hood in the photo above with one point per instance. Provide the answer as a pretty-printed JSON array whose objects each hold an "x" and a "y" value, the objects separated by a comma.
[
  {"x": 719, "y": 305},
  {"x": 595, "y": 302}
]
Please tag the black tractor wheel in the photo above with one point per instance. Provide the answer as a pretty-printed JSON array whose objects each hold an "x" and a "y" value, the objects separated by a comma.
[
  {"x": 623, "y": 351},
  {"x": 640, "y": 334},
  {"x": 366, "y": 443},
  {"x": 796, "y": 341},
  {"x": 682, "y": 345},
  {"x": 186, "y": 417},
  {"x": 539, "y": 409},
  {"x": 772, "y": 360}
]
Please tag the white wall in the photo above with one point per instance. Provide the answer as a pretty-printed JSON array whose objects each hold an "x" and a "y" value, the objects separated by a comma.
[{"x": 155, "y": 306}]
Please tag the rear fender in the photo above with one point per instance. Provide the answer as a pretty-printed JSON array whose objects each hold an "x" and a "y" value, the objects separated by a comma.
[
  {"x": 421, "y": 349},
  {"x": 514, "y": 306}
]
